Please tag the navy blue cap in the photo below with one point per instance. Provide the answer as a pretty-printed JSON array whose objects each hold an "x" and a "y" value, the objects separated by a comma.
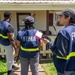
[{"x": 29, "y": 19}]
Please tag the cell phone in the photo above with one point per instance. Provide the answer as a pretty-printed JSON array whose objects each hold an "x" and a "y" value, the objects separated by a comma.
[{"x": 46, "y": 37}]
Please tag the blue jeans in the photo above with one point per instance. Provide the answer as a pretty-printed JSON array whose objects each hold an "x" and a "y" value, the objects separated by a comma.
[{"x": 67, "y": 73}]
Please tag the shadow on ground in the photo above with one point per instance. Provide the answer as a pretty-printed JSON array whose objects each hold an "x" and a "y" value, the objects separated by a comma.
[
  {"x": 46, "y": 61},
  {"x": 5, "y": 73}
]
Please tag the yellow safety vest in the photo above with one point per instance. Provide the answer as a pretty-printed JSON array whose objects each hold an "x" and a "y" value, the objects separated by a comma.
[
  {"x": 29, "y": 49},
  {"x": 72, "y": 54}
]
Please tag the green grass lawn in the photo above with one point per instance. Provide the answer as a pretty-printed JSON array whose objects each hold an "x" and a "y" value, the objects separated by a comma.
[
  {"x": 48, "y": 66},
  {"x": 3, "y": 70}
]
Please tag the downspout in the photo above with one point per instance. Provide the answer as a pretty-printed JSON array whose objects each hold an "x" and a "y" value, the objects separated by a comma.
[{"x": 47, "y": 22}]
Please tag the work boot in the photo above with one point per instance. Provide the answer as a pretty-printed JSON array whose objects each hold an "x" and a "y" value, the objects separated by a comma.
[{"x": 9, "y": 72}]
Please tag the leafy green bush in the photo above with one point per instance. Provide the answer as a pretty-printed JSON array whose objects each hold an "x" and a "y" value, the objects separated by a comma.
[{"x": 3, "y": 70}]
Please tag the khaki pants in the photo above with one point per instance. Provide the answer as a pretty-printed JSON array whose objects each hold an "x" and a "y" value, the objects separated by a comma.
[{"x": 9, "y": 52}]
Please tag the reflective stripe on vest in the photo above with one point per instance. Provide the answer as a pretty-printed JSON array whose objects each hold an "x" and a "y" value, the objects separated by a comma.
[
  {"x": 5, "y": 37},
  {"x": 29, "y": 49},
  {"x": 72, "y": 54}
]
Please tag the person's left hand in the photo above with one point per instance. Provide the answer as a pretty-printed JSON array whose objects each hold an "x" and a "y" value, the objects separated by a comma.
[
  {"x": 46, "y": 41},
  {"x": 16, "y": 54},
  {"x": 16, "y": 58}
]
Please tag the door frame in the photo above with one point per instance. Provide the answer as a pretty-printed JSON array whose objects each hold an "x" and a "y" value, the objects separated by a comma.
[{"x": 18, "y": 18}]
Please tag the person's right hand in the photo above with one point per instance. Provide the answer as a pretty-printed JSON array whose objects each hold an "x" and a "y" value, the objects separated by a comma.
[{"x": 46, "y": 41}]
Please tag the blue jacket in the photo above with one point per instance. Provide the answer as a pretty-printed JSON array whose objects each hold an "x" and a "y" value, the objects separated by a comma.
[
  {"x": 4, "y": 40},
  {"x": 64, "y": 49},
  {"x": 29, "y": 43}
]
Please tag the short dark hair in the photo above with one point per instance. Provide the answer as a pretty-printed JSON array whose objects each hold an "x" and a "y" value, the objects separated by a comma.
[
  {"x": 7, "y": 14},
  {"x": 71, "y": 19}
]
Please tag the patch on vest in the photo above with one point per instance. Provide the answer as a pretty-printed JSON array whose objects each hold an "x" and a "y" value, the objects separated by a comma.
[
  {"x": 29, "y": 38},
  {"x": 73, "y": 36}
]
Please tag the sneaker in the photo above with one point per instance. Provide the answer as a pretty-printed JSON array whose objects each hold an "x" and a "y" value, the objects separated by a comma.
[
  {"x": 15, "y": 67},
  {"x": 9, "y": 72}
]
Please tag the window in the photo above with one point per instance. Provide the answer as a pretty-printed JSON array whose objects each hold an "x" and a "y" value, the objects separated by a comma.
[
  {"x": 20, "y": 20},
  {"x": 57, "y": 19}
]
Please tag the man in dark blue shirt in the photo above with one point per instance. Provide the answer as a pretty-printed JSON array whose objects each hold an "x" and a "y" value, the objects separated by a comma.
[
  {"x": 64, "y": 46},
  {"x": 7, "y": 40}
]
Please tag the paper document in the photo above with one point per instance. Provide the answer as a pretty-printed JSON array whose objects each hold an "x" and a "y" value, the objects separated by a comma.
[{"x": 39, "y": 34}]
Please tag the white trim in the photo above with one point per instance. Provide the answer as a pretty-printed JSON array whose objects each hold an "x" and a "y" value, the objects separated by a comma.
[
  {"x": 53, "y": 2},
  {"x": 19, "y": 7}
]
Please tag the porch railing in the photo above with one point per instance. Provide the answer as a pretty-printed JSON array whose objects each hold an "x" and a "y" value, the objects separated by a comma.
[{"x": 45, "y": 53}]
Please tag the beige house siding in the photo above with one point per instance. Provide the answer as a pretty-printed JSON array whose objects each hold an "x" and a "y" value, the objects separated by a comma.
[
  {"x": 40, "y": 19},
  {"x": 21, "y": 7},
  {"x": 13, "y": 21},
  {"x": 40, "y": 11}
]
